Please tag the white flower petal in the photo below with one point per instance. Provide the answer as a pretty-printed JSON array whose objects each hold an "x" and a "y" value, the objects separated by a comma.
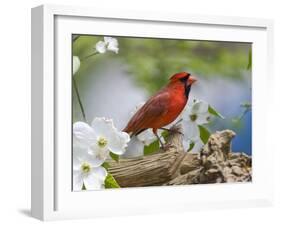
[
  {"x": 190, "y": 130},
  {"x": 112, "y": 44},
  {"x": 202, "y": 118},
  {"x": 199, "y": 107},
  {"x": 103, "y": 127},
  {"x": 92, "y": 183},
  {"x": 77, "y": 180},
  {"x": 198, "y": 145},
  {"x": 108, "y": 40},
  {"x": 118, "y": 143},
  {"x": 125, "y": 137},
  {"x": 79, "y": 147},
  {"x": 75, "y": 64},
  {"x": 100, "y": 173},
  {"x": 97, "y": 155},
  {"x": 95, "y": 179},
  {"x": 94, "y": 158},
  {"x": 186, "y": 145},
  {"x": 76, "y": 144},
  {"x": 101, "y": 47},
  {"x": 113, "y": 48},
  {"x": 83, "y": 134},
  {"x": 76, "y": 161},
  {"x": 186, "y": 114},
  {"x": 147, "y": 137},
  {"x": 134, "y": 149}
]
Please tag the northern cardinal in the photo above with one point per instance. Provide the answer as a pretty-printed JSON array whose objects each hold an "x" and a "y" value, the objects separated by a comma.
[{"x": 162, "y": 108}]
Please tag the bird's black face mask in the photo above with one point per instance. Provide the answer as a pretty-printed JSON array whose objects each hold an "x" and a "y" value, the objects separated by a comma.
[{"x": 187, "y": 86}]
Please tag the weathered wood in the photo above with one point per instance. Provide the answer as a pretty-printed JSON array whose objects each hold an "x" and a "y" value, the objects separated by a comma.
[
  {"x": 215, "y": 163},
  {"x": 153, "y": 169}
]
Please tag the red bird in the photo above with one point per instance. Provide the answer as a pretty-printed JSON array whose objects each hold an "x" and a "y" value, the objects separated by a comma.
[{"x": 162, "y": 108}]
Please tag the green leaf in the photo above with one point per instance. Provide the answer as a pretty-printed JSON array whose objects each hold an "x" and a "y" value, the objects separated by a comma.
[
  {"x": 191, "y": 146},
  {"x": 110, "y": 182},
  {"x": 105, "y": 165},
  {"x": 154, "y": 146},
  {"x": 114, "y": 157},
  {"x": 215, "y": 112},
  {"x": 204, "y": 134}
]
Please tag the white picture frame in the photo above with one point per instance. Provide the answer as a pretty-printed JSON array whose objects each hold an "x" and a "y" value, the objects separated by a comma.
[{"x": 52, "y": 197}]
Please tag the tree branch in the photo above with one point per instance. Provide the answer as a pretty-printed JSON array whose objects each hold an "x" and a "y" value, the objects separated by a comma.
[{"x": 214, "y": 164}]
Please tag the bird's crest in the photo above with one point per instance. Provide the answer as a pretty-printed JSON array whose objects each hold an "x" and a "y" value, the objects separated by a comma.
[{"x": 179, "y": 76}]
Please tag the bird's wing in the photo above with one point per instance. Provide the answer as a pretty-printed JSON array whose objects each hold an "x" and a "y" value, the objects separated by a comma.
[{"x": 154, "y": 108}]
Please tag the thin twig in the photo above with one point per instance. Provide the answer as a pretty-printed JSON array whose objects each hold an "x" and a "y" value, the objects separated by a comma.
[
  {"x": 85, "y": 58},
  {"x": 79, "y": 99}
]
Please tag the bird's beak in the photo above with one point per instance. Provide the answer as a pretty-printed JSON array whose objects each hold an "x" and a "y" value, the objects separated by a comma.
[{"x": 191, "y": 80}]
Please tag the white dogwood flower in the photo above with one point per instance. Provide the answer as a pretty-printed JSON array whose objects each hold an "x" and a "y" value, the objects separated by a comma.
[
  {"x": 75, "y": 64},
  {"x": 99, "y": 139},
  {"x": 109, "y": 44},
  {"x": 85, "y": 172},
  {"x": 195, "y": 114}
]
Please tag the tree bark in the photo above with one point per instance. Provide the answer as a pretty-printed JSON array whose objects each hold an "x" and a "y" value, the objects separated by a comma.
[{"x": 215, "y": 163}]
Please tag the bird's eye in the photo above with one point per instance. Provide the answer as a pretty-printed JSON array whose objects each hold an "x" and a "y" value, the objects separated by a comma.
[{"x": 184, "y": 79}]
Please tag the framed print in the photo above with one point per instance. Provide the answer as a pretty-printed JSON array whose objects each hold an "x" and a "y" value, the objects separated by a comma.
[{"x": 136, "y": 113}]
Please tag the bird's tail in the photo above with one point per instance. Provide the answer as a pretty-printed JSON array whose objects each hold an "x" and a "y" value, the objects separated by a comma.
[{"x": 132, "y": 133}]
